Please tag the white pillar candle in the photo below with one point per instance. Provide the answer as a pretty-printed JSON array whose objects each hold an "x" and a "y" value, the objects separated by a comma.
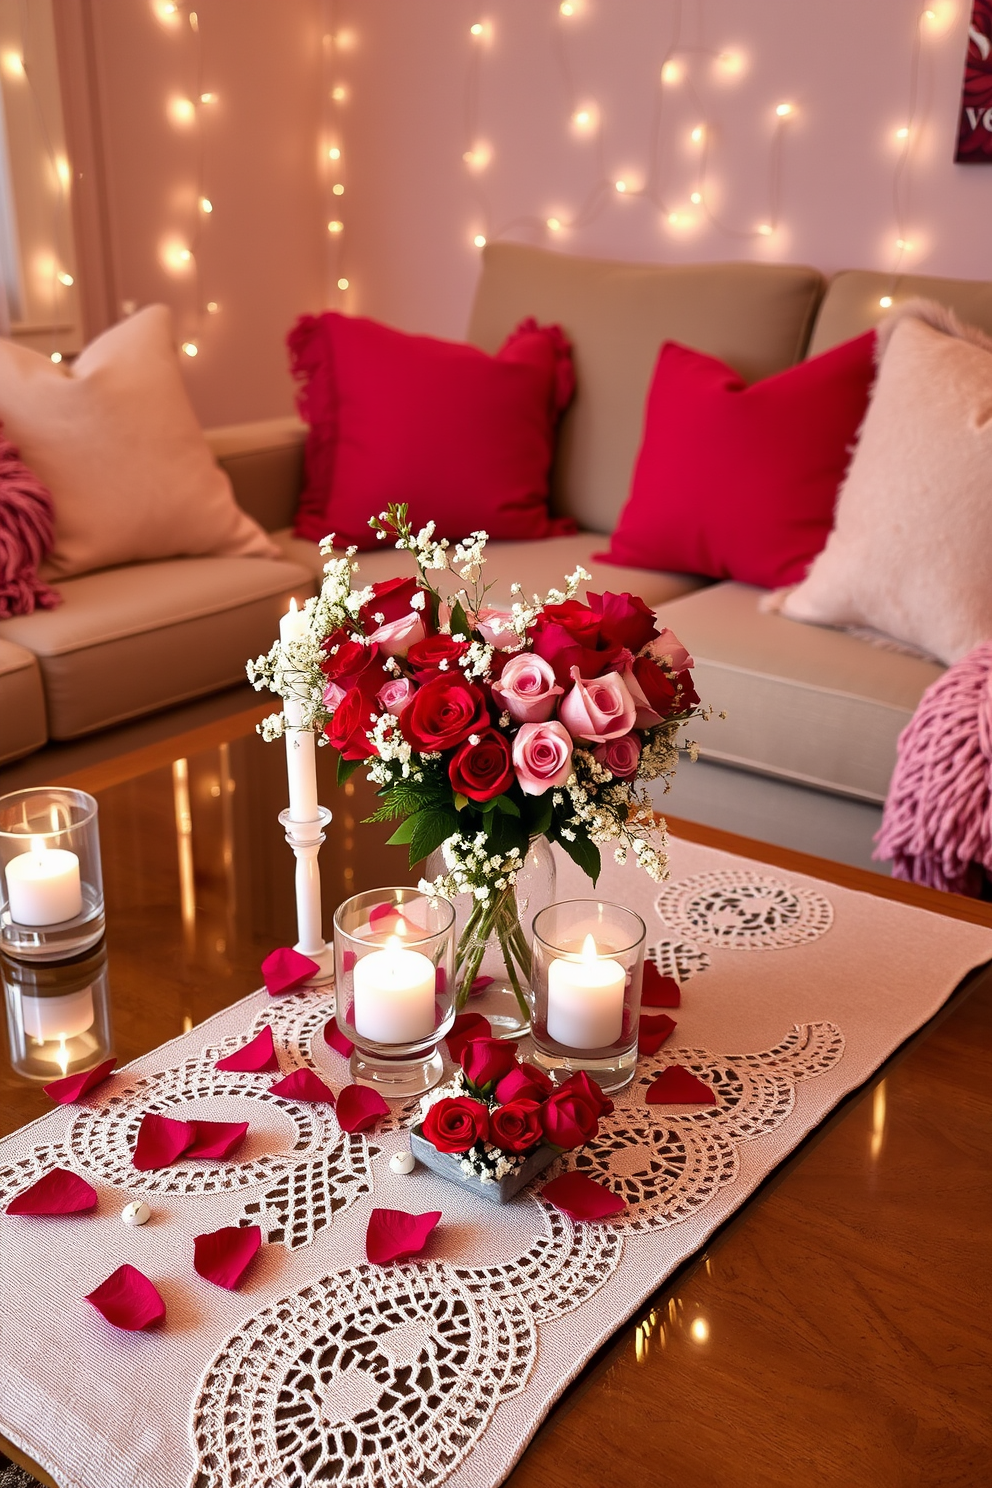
[
  {"x": 394, "y": 996},
  {"x": 301, "y": 762},
  {"x": 43, "y": 886},
  {"x": 585, "y": 1000},
  {"x": 62, "y": 1017}
]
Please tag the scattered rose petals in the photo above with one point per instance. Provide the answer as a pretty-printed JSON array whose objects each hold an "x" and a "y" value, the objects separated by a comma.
[
  {"x": 257, "y": 1057},
  {"x": 677, "y": 1086},
  {"x": 653, "y": 1032},
  {"x": 581, "y": 1198},
  {"x": 348, "y": 960},
  {"x": 303, "y": 1085},
  {"x": 359, "y": 1108},
  {"x": 658, "y": 990},
  {"x": 336, "y": 1039},
  {"x": 160, "y": 1141},
  {"x": 58, "y": 1192},
  {"x": 223, "y": 1256},
  {"x": 479, "y": 985},
  {"x": 284, "y": 970},
  {"x": 393, "y": 1234},
  {"x": 216, "y": 1139},
  {"x": 72, "y": 1087},
  {"x": 381, "y": 912},
  {"x": 467, "y": 1026},
  {"x": 128, "y": 1300}
]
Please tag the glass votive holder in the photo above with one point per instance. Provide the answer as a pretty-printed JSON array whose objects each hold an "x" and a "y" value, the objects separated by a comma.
[
  {"x": 587, "y": 973},
  {"x": 58, "y": 1017},
  {"x": 394, "y": 970},
  {"x": 51, "y": 884}
]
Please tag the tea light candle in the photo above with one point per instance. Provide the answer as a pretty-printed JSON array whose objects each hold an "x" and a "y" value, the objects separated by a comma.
[
  {"x": 301, "y": 764},
  {"x": 394, "y": 996},
  {"x": 43, "y": 886},
  {"x": 585, "y": 1000}
]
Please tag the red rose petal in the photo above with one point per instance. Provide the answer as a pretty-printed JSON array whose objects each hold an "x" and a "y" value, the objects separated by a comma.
[
  {"x": 479, "y": 985},
  {"x": 223, "y": 1256},
  {"x": 440, "y": 980},
  {"x": 72, "y": 1087},
  {"x": 581, "y": 1198},
  {"x": 217, "y": 1139},
  {"x": 380, "y": 912},
  {"x": 160, "y": 1141},
  {"x": 336, "y": 1039},
  {"x": 653, "y": 1032},
  {"x": 348, "y": 960},
  {"x": 393, "y": 1234},
  {"x": 58, "y": 1192},
  {"x": 284, "y": 970},
  {"x": 303, "y": 1085},
  {"x": 359, "y": 1108},
  {"x": 257, "y": 1057},
  {"x": 677, "y": 1086},
  {"x": 128, "y": 1300},
  {"x": 658, "y": 990},
  {"x": 467, "y": 1026}
]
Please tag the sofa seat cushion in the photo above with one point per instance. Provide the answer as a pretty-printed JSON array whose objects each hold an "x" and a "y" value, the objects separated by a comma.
[
  {"x": 22, "y": 703},
  {"x": 816, "y": 706},
  {"x": 127, "y": 641},
  {"x": 537, "y": 566}
]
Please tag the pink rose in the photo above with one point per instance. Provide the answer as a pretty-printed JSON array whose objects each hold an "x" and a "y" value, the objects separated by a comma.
[
  {"x": 620, "y": 756},
  {"x": 334, "y": 693},
  {"x": 668, "y": 648},
  {"x": 597, "y": 710},
  {"x": 395, "y": 695},
  {"x": 527, "y": 688},
  {"x": 542, "y": 757},
  {"x": 495, "y": 628},
  {"x": 397, "y": 636}
]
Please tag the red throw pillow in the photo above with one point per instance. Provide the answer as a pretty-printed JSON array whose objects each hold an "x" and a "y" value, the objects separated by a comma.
[
  {"x": 27, "y": 535},
  {"x": 740, "y": 482},
  {"x": 465, "y": 438}
]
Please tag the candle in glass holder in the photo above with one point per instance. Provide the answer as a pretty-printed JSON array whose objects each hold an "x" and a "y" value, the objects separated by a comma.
[
  {"x": 61, "y": 1017},
  {"x": 585, "y": 999},
  {"x": 394, "y": 992},
  {"x": 301, "y": 764},
  {"x": 43, "y": 885}
]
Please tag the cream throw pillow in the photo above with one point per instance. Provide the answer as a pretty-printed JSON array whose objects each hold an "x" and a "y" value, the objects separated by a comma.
[
  {"x": 115, "y": 440},
  {"x": 910, "y": 554}
]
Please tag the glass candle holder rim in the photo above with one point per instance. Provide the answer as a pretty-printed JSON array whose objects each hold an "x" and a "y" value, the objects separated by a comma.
[
  {"x": 82, "y": 800},
  {"x": 621, "y": 909},
  {"x": 381, "y": 895}
]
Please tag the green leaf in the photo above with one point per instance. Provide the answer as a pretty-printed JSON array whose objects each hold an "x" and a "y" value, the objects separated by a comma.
[
  {"x": 460, "y": 801},
  {"x": 504, "y": 832},
  {"x": 584, "y": 854},
  {"x": 506, "y": 805},
  {"x": 541, "y": 812},
  {"x": 431, "y": 828},
  {"x": 459, "y": 620},
  {"x": 404, "y": 832},
  {"x": 434, "y": 605},
  {"x": 347, "y": 768}
]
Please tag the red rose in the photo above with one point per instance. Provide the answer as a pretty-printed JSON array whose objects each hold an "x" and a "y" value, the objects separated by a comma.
[
  {"x": 349, "y": 725},
  {"x": 569, "y": 1119},
  {"x": 354, "y": 665},
  {"x": 456, "y": 1124},
  {"x": 582, "y": 1085},
  {"x": 481, "y": 771},
  {"x": 524, "y": 1082},
  {"x": 443, "y": 713},
  {"x": 516, "y": 1126},
  {"x": 391, "y": 599},
  {"x": 624, "y": 620},
  {"x": 486, "y": 1060},
  {"x": 653, "y": 691},
  {"x": 687, "y": 697},
  {"x": 568, "y": 635},
  {"x": 425, "y": 657}
]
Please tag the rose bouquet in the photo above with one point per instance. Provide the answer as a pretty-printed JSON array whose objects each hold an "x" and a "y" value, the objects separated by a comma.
[{"x": 485, "y": 730}]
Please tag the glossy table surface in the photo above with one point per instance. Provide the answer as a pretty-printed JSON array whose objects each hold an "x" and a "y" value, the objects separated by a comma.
[{"x": 834, "y": 1332}]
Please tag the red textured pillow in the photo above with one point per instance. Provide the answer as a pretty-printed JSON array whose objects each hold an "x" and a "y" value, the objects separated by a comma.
[
  {"x": 465, "y": 438},
  {"x": 740, "y": 482},
  {"x": 27, "y": 535}
]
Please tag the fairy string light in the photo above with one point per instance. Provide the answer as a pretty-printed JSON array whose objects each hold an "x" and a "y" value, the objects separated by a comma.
[{"x": 335, "y": 98}]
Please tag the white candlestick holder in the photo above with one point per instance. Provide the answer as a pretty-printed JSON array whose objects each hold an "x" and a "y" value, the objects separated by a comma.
[{"x": 306, "y": 838}]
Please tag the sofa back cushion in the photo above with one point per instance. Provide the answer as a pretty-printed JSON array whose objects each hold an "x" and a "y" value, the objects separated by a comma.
[
  {"x": 852, "y": 305},
  {"x": 756, "y": 317},
  {"x": 263, "y": 461}
]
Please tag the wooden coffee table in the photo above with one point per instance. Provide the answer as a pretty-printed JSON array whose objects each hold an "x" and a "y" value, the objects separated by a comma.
[{"x": 834, "y": 1332}]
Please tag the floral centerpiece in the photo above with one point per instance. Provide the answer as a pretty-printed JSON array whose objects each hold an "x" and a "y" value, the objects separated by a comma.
[{"x": 484, "y": 730}]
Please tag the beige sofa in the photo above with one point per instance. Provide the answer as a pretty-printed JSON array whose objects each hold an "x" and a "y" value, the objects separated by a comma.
[{"x": 813, "y": 715}]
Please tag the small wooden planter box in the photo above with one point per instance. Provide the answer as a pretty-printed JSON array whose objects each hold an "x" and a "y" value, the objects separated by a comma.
[{"x": 448, "y": 1165}]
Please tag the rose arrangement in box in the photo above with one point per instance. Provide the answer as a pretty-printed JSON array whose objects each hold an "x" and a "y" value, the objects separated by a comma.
[
  {"x": 497, "y": 1113},
  {"x": 485, "y": 730}
]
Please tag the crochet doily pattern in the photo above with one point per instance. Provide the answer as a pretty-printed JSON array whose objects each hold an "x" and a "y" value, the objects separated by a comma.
[
  {"x": 738, "y": 911},
  {"x": 305, "y": 1200},
  {"x": 678, "y": 959}
]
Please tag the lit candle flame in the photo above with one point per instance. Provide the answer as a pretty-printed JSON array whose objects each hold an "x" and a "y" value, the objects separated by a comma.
[
  {"x": 38, "y": 846},
  {"x": 62, "y": 1057},
  {"x": 589, "y": 950}
]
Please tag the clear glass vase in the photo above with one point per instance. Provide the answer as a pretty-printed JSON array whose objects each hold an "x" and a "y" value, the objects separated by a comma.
[{"x": 493, "y": 956}]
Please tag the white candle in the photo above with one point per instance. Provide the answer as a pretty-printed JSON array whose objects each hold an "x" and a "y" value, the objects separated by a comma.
[
  {"x": 43, "y": 886},
  {"x": 62, "y": 1017},
  {"x": 585, "y": 1000},
  {"x": 394, "y": 996},
  {"x": 301, "y": 763}
]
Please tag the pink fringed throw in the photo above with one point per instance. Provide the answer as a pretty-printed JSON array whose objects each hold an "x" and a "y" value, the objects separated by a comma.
[
  {"x": 27, "y": 533},
  {"x": 937, "y": 825}
]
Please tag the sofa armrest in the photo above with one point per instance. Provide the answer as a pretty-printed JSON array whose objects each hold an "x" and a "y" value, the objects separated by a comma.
[{"x": 264, "y": 461}]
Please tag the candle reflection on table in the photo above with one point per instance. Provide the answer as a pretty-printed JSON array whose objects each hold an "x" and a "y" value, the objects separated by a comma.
[{"x": 58, "y": 1017}]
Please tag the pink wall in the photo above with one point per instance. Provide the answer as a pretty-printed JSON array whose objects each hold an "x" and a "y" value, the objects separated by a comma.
[{"x": 412, "y": 206}]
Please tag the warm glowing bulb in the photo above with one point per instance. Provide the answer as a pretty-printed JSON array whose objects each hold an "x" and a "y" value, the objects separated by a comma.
[
  {"x": 886, "y": 302},
  {"x": 334, "y": 153},
  {"x": 338, "y": 189},
  {"x": 335, "y": 227},
  {"x": 566, "y": 8},
  {"x": 206, "y": 205},
  {"x": 65, "y": 278},
  {"x": 212, "y": 307},
  {"x": 765, "y": 229},
  {"x": 476, "y": 29},
  {"x": 167, "y": 9},
  {"x": 783, "y": 110},
  {"x": 696, "y": 198},
  {"x": 182, "y": 110},
  {"x": 63, "y": 171},
  {"x": 208, "y": 97},
  {"x": 554, "y": 224},
  {"x": 479, "y": 240},
  {"x": 194, "y": 21},
  {"x": 902, "y": 133},
  {"x": 731, "y": 62},
  {"x": 13, "y": 63},
  {"x": 190, "y": 348},
  {"x": 697, "y": 134},
  {"x": 673, "y": 218},
  {"x": 700, "y": 1329},
  {"x": 56, "y": 356},
  {"x": 478, "y": 157},
  {"x": 339, "y": 94},
  {"x": 584, "y": 118},
  {"x": 621, "y": 186},
  {"x": 903, "y": 245},
  {"x": 184, "y": 255},
  {"x": 671, "y": 72},
  {"x": 343, "y": 284}
]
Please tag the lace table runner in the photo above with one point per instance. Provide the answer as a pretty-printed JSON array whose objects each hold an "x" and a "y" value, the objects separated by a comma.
[{"x": 325, "y": 1370}]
